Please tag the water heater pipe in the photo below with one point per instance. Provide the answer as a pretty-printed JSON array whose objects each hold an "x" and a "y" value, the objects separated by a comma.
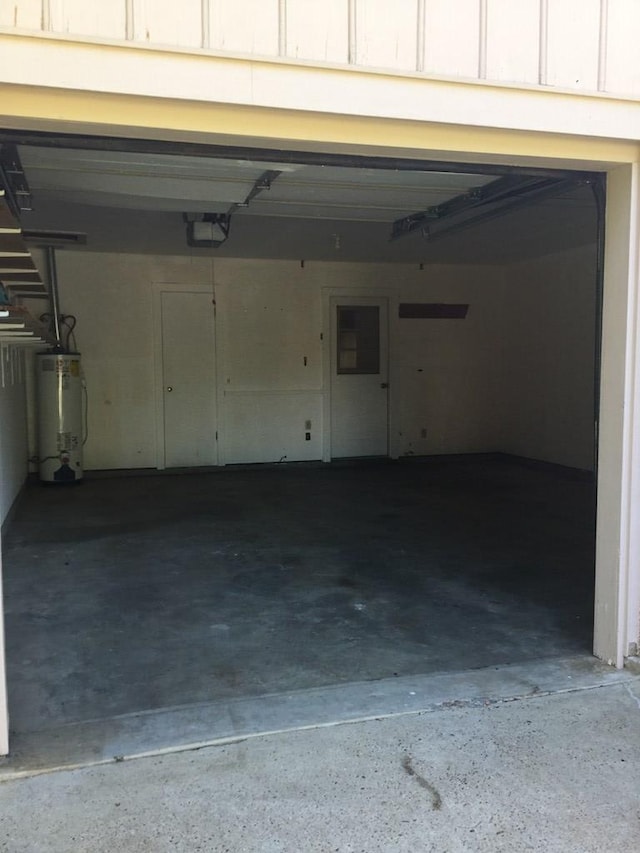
[{"x": 55, "y": 299}]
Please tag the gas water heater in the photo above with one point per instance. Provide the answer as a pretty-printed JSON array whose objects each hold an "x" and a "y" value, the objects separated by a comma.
[{"x": 59, "y": 383}]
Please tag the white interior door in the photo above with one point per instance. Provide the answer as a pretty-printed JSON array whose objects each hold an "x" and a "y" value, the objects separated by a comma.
[
  {"x": 188, "y": 378},
  {"x": 359, "y": 377}
]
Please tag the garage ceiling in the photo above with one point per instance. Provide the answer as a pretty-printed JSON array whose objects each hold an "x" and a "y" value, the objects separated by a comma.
[
  {"x": 164, "y": 182},
  {"x": 135, "y": 202}
]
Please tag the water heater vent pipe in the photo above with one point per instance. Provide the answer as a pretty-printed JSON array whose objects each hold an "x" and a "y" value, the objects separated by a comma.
[{"x": 55, "y": 299}]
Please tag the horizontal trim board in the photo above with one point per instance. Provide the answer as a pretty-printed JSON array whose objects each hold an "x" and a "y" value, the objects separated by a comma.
[{"x": 431, "y": 311}]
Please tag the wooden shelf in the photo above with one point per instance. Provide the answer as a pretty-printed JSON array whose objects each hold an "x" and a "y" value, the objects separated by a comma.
[
  {"x": 18, "y": 272},
  {"x": 19, "y": 328}
]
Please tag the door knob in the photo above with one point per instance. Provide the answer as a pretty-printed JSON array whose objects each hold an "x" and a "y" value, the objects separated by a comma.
[{"x": 169, "y": 387}]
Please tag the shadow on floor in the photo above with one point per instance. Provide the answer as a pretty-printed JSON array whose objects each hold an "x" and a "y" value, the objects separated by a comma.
[{"x": 137, "y": 593}]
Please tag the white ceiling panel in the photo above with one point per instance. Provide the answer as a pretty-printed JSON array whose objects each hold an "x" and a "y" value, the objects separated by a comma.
[
  {"x": 199, "y": 184},
  {"x": 456, "y": 182},
  {"x": 77, "y": 158},
  {"x": 48, "y": 198},
  {"x": 160, "y": 188},
  {"x": 348, "y": 201},
  {"x": 312, "y": 209}
]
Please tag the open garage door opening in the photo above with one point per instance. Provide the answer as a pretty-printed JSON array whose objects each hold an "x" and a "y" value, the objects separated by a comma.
[{"x": 373, "y": 386}]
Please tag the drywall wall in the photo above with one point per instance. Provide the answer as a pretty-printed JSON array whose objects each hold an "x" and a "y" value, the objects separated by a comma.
[
  {"x": 270, "y": 322},
  {"x": 270, "y": 361},
  {"x": 13, "y": 430},
  {"x": 516, "y": 375},
  {"x": 446, "y": 372},
  {"x": 269, "y": 353},
  {"x": 548, "y": 369},
  {"x": 111, "y": 296}
]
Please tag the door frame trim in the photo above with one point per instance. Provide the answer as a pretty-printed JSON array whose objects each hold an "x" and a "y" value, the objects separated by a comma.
[
  {"x": 355, "y": 293},
  {"x": 158, "y": 289}
]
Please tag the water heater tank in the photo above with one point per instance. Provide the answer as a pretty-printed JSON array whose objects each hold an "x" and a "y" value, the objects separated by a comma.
[{"x": 59, "y": 383}]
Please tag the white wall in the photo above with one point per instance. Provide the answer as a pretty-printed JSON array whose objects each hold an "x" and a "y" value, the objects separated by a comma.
[
  {"x": 111, "y": 295},
  {"x": 443, "y": 373},
  {"x": 270, "y": 360},
  {"x": 13, "y": 427},
  {"x": 448, "y": 370},
  {"x": 549, "y": 338},
  {"x": 516, "y": 375},
  {"x": 13, "y": 473},
  {"x": 269, "y": 353}
]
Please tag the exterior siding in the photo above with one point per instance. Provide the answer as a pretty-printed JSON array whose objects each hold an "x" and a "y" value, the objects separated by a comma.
[{"x": 580, "y": 45}]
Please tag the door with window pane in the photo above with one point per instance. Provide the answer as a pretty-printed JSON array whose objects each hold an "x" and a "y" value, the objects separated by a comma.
[{"x": 359, "y": 377}]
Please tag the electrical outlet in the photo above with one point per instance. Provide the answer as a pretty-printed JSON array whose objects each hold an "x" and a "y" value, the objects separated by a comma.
[
  {"x": 423, "y": 432},
  {"x": 307, "y": 436},
  {"x": 307, "y": 425}
]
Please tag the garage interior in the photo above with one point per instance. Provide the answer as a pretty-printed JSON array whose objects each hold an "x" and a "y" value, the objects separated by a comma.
[{"x": 254, "y": 518}]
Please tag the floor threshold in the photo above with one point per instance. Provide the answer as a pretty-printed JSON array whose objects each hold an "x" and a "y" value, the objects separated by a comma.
[{"x": 157, "y": 732}]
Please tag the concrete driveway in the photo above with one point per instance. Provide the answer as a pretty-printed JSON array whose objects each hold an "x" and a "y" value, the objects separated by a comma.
[{"x": 549, "y": 772}]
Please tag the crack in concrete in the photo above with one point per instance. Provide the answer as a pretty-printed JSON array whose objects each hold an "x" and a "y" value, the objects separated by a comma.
[
  {"x": 627, "y": 687},
  {"x": 436, "y": 799}
]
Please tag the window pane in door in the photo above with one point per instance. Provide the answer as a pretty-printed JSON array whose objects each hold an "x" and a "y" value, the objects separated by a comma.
[{"x": 358, "y": 339}]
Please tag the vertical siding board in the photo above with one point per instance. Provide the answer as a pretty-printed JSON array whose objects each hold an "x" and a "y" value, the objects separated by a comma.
[
  {"x": 353, "y": 38},
  {"x": 318, "y": 32},
  {"x": 602, "y": 46},
  {"x": 513, "y": 40},
  {"x": 23, "y": 14},
  {"x": 482, "y": 40},
  {"x": 89, "y": 18},
  {"x": 282, "y": 27},
  {"x": 245, "y": 26},
  {"x": 420, "y": 35},
  {"x": 206, "y": 24},
  {"x": 452, "y": 46},
  {"x": 168, "y": 22},
  {"x": 386, "y": 32},
  {"x": 573, "y": 44},
  {"x": 543, "y": 43},
  {"x": 623, "y": 47},
  {"x": 129, "y": 19}
]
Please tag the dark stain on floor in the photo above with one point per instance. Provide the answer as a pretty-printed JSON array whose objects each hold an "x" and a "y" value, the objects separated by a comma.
[{"x": 436, "y": 799}]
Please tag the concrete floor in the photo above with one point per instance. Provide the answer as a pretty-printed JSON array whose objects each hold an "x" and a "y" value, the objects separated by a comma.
[
  {"x": 137, "y": 593},
  {"x": 555, "y": 773}
]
